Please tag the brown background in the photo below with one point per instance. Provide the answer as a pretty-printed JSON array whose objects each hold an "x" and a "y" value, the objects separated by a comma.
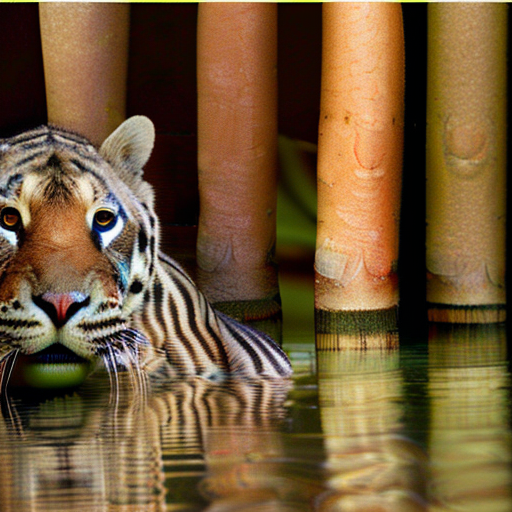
[{"x": 162, "y": 85}]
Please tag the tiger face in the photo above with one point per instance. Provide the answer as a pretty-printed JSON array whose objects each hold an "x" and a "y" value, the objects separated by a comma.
[{"x": 78, "y": 242}]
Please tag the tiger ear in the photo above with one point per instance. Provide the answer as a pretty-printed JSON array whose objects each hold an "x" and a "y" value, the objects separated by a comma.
[{"x": 129, "y": 147}]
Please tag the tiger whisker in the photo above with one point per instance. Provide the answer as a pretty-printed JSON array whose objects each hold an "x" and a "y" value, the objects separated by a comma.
[
  {"x": 121, "y": 351},
  {"x": 114, "y": 372},
  {"x": 111, "y": 366},
  {"x": 131, "y": 351},
  {"x": 11, "y": 363},
  {"x": 137, "y": 377},
  {"x": 128, "y": 359},
  {"x": 6, "y": 368}
]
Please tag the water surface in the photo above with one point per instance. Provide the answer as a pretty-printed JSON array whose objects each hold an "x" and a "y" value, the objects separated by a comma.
[{"x": 422, "y": 427}]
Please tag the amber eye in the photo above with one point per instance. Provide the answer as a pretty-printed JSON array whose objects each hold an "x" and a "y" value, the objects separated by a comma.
[
  {"x": 10, "y": 218},
  {"x": 104, "y": 219}
]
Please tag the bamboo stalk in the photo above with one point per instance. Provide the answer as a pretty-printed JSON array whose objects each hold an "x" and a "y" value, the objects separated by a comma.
[
  {"x": 466, "y": 162},
  {"x": 85, "y": 54},
  {"x": 360, "y": 158},
  {"x": 237, "y": 145}
]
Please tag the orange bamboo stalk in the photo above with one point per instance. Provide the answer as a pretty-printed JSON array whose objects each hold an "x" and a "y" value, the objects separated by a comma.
[
  {"x": 360, "y": 157},
  {"x": 85, "y": 54},
  {"x": 237, "y": 144},
  {"x": 466, "y": 162}
]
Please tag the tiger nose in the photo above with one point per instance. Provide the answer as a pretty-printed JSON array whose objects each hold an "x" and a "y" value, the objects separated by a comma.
[{"x": 60, "y": 307}]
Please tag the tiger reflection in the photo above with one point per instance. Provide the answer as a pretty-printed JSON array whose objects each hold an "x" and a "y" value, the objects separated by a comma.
[{"x": 185, "y": 447}]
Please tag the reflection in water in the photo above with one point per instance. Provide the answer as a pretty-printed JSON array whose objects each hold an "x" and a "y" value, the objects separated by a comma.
[
  {"x": 372, "y": 466},
  {"x": 340, "y": 440},
  {"x": 193, "y": 446},
  {"x": 470, "y": 440}
]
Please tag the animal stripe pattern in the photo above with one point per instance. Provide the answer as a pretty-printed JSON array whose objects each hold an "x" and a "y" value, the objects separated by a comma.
[
  {"x": 136, "y": 454},
  {"x": 81, "y": 269}
]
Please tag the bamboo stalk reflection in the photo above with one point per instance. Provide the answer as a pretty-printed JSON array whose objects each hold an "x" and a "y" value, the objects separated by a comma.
[
  {"x": 470, "y": 439},
  {"x": 371, "y": 464}
]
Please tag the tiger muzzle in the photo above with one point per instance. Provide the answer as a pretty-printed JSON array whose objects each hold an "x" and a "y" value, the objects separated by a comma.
[{"x": 60, "y": 307}]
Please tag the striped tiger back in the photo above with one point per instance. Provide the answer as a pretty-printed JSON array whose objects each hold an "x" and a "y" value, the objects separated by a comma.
[
  {"x": 82, "y": 279},
  {"x": 219, "y": 342}
]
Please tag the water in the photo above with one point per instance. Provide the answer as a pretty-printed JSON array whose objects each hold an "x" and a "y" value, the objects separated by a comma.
[{"x": 422, "y": 427}]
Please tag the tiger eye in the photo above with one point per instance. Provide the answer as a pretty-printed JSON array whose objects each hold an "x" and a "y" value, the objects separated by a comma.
[
  {"x": 10, "y": 218},
  {"x": 103, "y": 218}
]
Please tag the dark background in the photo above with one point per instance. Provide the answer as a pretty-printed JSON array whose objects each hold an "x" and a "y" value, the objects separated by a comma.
[{"x": 161, "y": 85}]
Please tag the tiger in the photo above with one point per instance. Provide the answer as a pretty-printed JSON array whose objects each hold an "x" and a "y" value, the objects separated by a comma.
[{"x": 83, "y": 283}]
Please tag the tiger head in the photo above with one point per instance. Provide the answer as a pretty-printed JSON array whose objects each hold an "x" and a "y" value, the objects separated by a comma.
[{"x": 78, "y": 242}]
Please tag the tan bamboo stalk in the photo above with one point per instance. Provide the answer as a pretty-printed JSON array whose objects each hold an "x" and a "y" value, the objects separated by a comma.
[
  {"x": 360, "y": 158},
  {"x": 466, "y": 162},
  {"x": 237, "y": 145},
  {"x": 85, "y": 54}
]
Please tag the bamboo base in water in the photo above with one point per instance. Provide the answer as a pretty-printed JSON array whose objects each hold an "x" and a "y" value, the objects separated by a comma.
[
  {"x": 482, "y": 314},
  {"x": 356, "y": 329}
]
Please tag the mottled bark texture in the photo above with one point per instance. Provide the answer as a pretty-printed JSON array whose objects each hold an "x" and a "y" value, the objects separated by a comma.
[
  {"x": 360, "y": 157},
  {"x": 85, "y": 54},
  {"x": 466, "y": 162},
  {"x": 237, "y": 144}
]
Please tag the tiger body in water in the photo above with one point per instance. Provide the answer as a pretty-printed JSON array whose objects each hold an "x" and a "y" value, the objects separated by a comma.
[{"x": 81, "y": 274}]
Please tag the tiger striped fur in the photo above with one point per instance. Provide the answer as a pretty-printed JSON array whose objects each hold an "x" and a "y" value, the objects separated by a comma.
[{"x": 80, "y": 266}]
